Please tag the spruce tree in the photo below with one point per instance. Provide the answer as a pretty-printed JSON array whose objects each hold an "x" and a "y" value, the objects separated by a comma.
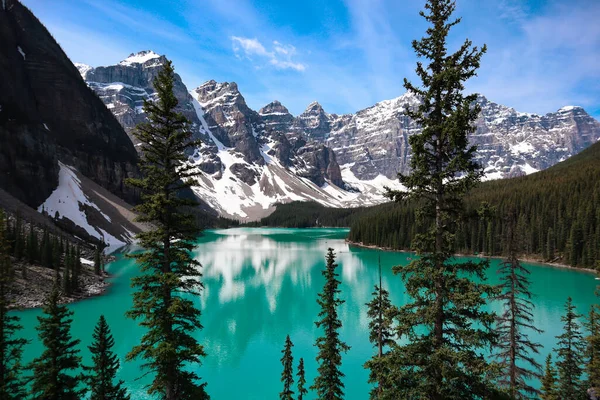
[
  {"x": 548, "y": 389},
  {"x": 54, "y": 376},
  {"x": 162, "y": 303},
  {"x": 12, "y": 386},
  {"x": 97, "y": 261},
  {"x": 592, "y": 351},
  {"x": 381, "y": 335},
  {"x": 301, "y": 380},
  {"x": 444, "y": 326},
  {"x": 287, "y": 375},
  {"x": 101, "y": 376},
  {"x": 32, "y": 245},
  {"x": 570, "y": 356},
  {"x": 328, "y": 383},
  {"x": 515, "y": 350}
]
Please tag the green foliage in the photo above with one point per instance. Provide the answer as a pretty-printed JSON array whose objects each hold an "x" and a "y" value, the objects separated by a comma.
[
  {"x": 548, "y": 391},
  {"x": 102, "y": 374},
  {"x": 162, "y": 303},
  {"x": 287, "y": 375},
  {"x": 97, "y": 261},
  {"x": 328, "y": 383},
  {"x": 514, "y": 348},
  {"x": 12, "y": 386},
  {"x": 569, "y": 350},
  {"x": 53, "y": 371},
  {"x": 592, "y": 351},
  {"x": 558, "y": 215},
  {"x": 300, "y": 214},
  {"x": 444, "y": 326},
  {"x": 381, "y": 335},
  {"x": 301, "y": 380}
]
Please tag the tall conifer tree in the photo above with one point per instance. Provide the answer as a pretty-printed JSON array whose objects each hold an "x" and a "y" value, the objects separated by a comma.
[
  {"x": 548, "y": 389},
  {"x": 287, "y": 375},
  {"x": 570, "y": 356},
  {"x": 515, "y": 350},
  {"x": 101, "y": 376},
  {"x": 444, "y": 325},
  {"x": 328, "y": 383},
  {"x": 381, "y": 335},
  {"x": 12, "y": 386},
  {"x": 54, "y": 376},
  {"x": 162, "y": 304},
  {"x": 301, "y": 380},
  {"x": 592, "y": 351}
]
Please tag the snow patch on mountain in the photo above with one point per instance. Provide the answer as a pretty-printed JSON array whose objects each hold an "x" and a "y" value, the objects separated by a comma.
[
  {"x": 68, "y": 201},
  {"x": 139, "y": 58}
]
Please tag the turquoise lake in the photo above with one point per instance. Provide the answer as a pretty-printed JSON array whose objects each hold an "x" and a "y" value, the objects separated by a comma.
[{"x": 262, "y": 284}]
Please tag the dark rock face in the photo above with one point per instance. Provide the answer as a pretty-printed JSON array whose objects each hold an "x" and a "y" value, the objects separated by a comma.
[
  {"x": 47, "y": 113},
  {"x": 319, "y": 163}
]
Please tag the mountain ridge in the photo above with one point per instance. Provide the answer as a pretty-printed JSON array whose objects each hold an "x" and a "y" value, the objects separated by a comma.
[{"x": 337, "y": 160}]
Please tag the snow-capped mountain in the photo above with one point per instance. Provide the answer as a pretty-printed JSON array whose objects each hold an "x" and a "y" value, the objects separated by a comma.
[{"x": 252, "y": 160}]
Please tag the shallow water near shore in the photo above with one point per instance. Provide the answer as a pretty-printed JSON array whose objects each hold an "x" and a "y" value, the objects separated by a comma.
[{"x": 262, "y": 284}]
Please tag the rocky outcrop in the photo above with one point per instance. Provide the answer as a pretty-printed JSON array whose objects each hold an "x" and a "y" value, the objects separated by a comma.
[{"x": 47, "y": 114}]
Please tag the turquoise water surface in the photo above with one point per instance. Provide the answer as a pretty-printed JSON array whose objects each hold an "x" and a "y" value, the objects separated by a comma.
[{"x": 262, "y": 284}]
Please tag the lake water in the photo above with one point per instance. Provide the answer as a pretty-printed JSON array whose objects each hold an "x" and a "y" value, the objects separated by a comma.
[{"x": 262, "y": 284}]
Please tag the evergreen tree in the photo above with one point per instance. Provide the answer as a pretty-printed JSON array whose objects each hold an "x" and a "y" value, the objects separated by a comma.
[
  {"x": 444, "y": 325},
  {"x": 548, "y": 389},
  {"x": 301, "y": 380},
  {"x": 328, "y": 383},
  {"x": 287, "y": 376},
  {"x": 381, "y": 336},
  {"x": 102, "y": 375},
  {"x": 592, "y": 352},
  {"x": 515, "y": 348},
  {"x": 19, "y": 240},
  {"x": 12, "y": 386},
  {"x": 570, "y": 356},
  {"x": 169, "y": 273},
  {"x": 53, "y": 372},
  {"x": 32, "y": 246},
  {"x": 97, "y": 261}
]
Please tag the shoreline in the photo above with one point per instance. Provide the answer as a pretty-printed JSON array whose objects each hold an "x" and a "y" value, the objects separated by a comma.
[{"x": 526, "y": 259}]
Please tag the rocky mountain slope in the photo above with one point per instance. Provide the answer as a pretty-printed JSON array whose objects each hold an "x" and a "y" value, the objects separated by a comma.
[
  {"x": 252, "y": 160},
  {"x": 51, "y": 120}
]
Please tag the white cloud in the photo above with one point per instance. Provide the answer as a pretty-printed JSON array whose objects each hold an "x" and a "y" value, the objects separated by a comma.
[{"x": 280, "y": 56}]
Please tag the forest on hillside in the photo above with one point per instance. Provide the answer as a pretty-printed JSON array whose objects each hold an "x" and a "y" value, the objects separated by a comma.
[{"x": 557, "y": 213}]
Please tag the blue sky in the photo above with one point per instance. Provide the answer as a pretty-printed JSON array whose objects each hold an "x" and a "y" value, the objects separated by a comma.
[{"x": 346, "y": 54}]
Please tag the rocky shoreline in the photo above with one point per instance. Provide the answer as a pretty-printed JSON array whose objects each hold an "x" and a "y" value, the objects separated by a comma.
[
  {"x": 31, "y": 292},
  {"x": 526, "y": 258}
]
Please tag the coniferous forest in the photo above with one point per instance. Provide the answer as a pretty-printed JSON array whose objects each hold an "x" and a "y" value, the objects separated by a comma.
[{"x": 442, "y": 343}]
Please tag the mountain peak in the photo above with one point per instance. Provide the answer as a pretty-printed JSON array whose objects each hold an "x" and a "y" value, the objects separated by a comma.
[
  {"x": 569, "y": 109},
  {"x": 274, "y": 107},
  {"x": 140, "y": 57}
]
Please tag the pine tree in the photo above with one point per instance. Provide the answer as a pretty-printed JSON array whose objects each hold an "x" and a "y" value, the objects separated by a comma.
[
  {"x": 32, "y": 246},
  {"x": 515, "y": 349},
  {"x": 12, "y": 386},
  {"x": 301, "y": 380},
  {"x": 102, "y": 375},
  {"x": 592, "y": 351},
  {"x": 97, "y": 261},
  {"x": 570, "y": 356},
  {"x": 548, "y": 389},
  {"x": 328, "y": 383},
  {"x": 444, "y": 325},
  {"x": 19, "y": 246},
  {"x": 287, "y": 375},
  {"x": 169, "y": 273},
  {"x": 381, "y": 335},
  {"x": 54, "y": 375}
]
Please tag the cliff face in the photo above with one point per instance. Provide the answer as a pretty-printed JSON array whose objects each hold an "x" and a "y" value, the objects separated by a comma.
[{"x": 48, "y": 114}]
